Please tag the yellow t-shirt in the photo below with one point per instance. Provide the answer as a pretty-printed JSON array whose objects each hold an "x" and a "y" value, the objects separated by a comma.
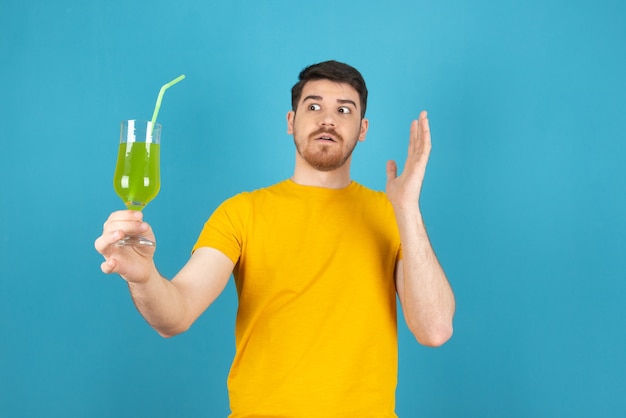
[{"x": 316, "y": 333}]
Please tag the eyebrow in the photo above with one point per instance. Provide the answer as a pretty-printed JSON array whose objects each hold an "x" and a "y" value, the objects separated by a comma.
[{"x": 320, "y": 98}]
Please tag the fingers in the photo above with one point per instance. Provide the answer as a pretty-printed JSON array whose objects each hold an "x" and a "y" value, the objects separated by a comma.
[
  {"x": 392, "y": 170},
  {"x": 421, "y": 126},
  {"x": 119, "y": 224},
  {"x": 420, "y": 122},
  {"x": 420, "y": 142},
  {"x": 103, "y": 242},
  {"x": 116, "y": 219},
  {"x": 414, "y": 135}
]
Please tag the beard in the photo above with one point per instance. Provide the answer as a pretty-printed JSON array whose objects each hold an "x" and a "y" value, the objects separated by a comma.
[{"x": 324, "y": 157}]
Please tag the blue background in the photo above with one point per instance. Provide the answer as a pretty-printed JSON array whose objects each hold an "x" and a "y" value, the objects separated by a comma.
[{"x": 524, "y": 195}]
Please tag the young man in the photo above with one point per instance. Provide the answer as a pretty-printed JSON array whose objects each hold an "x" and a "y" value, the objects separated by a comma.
[{"x": 318, "y": 260}]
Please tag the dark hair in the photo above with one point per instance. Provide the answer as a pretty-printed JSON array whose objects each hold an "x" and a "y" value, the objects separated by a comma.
[{"x": 333, "y": 71}]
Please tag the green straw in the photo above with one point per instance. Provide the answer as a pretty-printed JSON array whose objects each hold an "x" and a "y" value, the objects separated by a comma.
[{"x": 160, "y": 97}]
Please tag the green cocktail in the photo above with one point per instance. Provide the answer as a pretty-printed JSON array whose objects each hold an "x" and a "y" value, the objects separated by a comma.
[
  {"x": 137, "y": 173},
  {"x": 137, "y": 179}
]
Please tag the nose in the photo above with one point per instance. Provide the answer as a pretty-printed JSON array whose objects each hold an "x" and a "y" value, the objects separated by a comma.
[{"x": 327, "y": 119}]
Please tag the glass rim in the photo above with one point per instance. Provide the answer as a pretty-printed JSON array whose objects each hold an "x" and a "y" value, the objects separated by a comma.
[
  {"x": 142, "y": 121},
  {"x": 140, "y": 131}
]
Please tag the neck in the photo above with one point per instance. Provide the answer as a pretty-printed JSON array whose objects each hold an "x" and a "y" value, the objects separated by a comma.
[{"x": 306, "y": 175}]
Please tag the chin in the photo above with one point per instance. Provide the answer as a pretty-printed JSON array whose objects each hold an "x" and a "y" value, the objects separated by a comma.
[{"x": 323, "y": 161}]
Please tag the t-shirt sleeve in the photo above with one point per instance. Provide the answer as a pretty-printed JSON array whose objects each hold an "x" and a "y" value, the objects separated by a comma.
[{"x": 224, "y": 230}]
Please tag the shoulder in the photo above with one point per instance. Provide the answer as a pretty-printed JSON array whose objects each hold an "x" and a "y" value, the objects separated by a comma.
[
  {"x": 246, "y": 199},
  {"x": 374, "y": 196},
  {"x": 374, "y": 202}
]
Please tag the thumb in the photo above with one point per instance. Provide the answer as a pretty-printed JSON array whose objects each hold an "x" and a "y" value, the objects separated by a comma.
[
  {"x": 392, "y": 170},
  {"x": 109, "y": 266}
]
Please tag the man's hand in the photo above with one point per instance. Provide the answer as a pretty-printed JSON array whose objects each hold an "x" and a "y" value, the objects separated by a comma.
[
  {"x": 134, "y": 264},
  {"x": 404, "y": 191}
]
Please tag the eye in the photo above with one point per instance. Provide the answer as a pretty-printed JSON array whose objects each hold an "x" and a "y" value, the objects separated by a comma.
[
  {"x": 314, "y": 107},
  {"x": 345, "y": 110}
]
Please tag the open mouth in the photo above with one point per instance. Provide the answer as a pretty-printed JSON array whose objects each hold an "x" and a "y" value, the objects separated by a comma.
[
  {"x": 326, "y": 138},
  {"x": 326, "y": 135}
]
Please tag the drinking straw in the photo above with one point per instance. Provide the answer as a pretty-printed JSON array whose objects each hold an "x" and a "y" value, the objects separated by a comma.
[{"x": 160, "y": 97}]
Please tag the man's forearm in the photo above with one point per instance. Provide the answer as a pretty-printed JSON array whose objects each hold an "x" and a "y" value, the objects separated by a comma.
[
  {"x": 161, "y": 304},
  {"x": 426, "y": 296}
]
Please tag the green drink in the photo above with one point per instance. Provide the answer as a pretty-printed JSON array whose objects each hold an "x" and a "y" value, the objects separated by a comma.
[
  {"x": 137, "y": 179},
  {"x": 137, "y": 173}
]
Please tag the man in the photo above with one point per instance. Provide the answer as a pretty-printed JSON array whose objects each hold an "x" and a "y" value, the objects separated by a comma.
[{"x": 318, "y": 260}]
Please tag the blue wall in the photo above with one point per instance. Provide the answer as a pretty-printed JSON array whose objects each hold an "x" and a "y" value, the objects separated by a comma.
[{"x": 524, "y": 196}]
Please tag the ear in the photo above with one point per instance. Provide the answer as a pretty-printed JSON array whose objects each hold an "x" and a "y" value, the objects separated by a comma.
[
  {"x": 364, "y": 125},
  {"x": 290, "y": 117}
]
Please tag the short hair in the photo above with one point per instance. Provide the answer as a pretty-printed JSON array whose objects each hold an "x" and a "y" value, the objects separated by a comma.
[{"x": 333, "y": 71}]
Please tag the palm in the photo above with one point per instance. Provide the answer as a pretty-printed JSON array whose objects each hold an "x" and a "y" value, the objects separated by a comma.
[{"x": 405, "y": 189}]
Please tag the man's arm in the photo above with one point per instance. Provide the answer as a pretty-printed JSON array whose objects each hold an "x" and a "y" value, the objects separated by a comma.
[
  {"x": 425, "y": 294},
  {"x": 170, "y": 307}
]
